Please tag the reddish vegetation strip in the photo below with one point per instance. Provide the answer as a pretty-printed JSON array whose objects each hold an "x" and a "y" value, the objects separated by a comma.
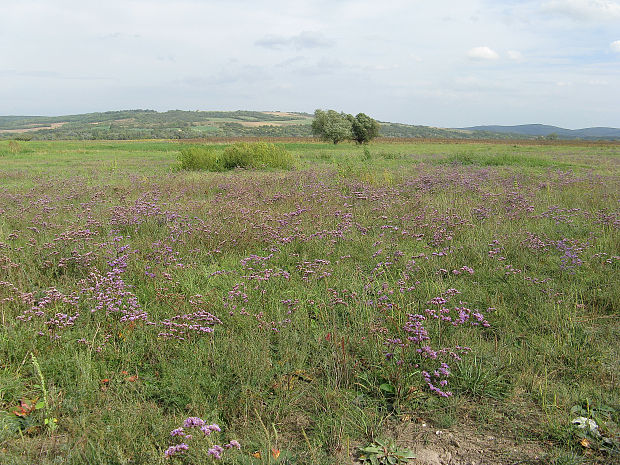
[{"x": 413, "y": 140}]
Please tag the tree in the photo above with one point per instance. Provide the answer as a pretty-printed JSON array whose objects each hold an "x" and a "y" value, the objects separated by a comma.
[
  {"x": 336, "y": 127},
  {"x": 363, "y": 128},
  {"x": 331, "y": 126}
]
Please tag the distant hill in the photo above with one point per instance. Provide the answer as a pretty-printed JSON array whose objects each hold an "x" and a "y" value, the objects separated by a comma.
[
  {"x": 543, "y": 130},
  {"x": 150, "y": 124},
  {"x": 180, "y": 124}
]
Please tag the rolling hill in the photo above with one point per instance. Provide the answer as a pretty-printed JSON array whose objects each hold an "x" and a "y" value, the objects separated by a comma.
[
  {"x": 180, "y": 124},
  {"x": 543, "y": 130}
]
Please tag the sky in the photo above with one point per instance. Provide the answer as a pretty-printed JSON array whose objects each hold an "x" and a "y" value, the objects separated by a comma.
[{"x": 446, "y": 63}]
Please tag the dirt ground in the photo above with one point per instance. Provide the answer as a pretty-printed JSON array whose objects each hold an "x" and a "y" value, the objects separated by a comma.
[
  {"x": 460, "y": 445},
  {"x": 468, "y": 444}
]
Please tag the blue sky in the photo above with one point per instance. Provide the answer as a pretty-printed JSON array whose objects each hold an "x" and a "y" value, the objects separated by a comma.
[{"x": 441, "y": 63}]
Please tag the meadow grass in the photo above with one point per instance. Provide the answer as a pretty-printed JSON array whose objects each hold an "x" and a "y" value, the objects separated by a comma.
[{"x": 304, "y": 310}]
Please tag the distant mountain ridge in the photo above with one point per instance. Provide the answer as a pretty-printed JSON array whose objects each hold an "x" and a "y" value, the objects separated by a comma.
[{"x": 544, "y": 130}]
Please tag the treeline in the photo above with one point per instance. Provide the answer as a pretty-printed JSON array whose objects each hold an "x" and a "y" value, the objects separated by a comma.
[
  {"x": 176, "y": 131},
  {"x": 183, "y": 130}
]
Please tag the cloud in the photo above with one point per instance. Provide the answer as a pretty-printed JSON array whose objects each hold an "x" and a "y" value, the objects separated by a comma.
[
  {"x": 615, "y": 46},
  {"x": 47, "y": 75},
  {"x": 121, "y": 35},
  {"x": 515, "y": 55},
  {"x": 584, "y": 10},
  {"x": 482, "y": 53},
  {"x": 303, "y": 40}
]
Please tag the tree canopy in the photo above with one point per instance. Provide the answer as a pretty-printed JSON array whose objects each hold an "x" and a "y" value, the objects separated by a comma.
[
  {"x": 363, "y": 128},
  {"x": 336, "y": 127},
  {"x": 331, "y": 126}
]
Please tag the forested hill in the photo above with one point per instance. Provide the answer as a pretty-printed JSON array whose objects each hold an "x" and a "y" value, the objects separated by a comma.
[
  {"x": 179, "y": 124},
  {"x": 149, "y": 124},
  {"x": 544, "y": 130}
]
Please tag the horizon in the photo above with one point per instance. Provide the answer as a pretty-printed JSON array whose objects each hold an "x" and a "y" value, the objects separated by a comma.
[
  {"x": 450, "y": 65},
  {"x": 309, "y": 113}
]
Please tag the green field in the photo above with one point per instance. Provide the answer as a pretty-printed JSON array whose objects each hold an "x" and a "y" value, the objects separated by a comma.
[{"x": 459, "y": 298}]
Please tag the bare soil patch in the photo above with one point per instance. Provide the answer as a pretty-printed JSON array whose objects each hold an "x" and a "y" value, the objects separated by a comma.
[
  {"x": 253, "y": 124},
  {"x": 279, "y": 113},
  {"x": 463, "y": 445},
  {"x": 30, "y": 129}
]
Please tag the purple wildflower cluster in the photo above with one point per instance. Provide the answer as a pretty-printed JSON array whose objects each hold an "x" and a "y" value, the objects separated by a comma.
[
  {"x": 109, "y": 295},
  {"x": 184, "y": 434},
  {"x": 570, "y": 250},
  {"x": 414, "y": 345}
]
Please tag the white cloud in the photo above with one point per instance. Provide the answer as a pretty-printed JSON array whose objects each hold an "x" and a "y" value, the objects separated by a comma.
[
  {"x": 580, "y": 10},
  {"x": 482, "y": 53},
  {"x": 305, "y": 39},
  {"x": 615, "y": 46},
  {"x": 515, "y": 55}
]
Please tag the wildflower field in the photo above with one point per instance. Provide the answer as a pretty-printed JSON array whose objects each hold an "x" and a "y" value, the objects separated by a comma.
[{"x": 403, "y": 291}]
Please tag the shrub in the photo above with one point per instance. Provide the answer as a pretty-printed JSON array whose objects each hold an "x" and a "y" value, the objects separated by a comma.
[
  {"x": 199, "y": 158},
  {"x": 256, "y": 155},
  {"x": 239, "y": 155},
  {"x": 14, "y": 147}
]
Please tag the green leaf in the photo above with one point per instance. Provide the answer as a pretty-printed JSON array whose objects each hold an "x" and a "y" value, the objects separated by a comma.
[
  {"x": 386, "y": 387},
  {"x": 40, "y": 405},
  {"x": 372, "y": 448},
  {"x": 577, "y": 409}
]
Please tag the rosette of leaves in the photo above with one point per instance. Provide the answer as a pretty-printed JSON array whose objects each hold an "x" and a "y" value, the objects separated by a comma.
[
  {"x": 384, "y": 453},
  {"x": 596, "y": 429}
]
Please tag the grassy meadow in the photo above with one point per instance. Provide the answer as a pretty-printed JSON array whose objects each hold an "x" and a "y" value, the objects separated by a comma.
[{"x": 308, "y": 312}]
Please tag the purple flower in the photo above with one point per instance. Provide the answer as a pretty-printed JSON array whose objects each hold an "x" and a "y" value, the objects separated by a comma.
[
  {"x": 233, "y": 443},
  {"x": 193, "y": 422},
  {"x": 216, "y": 451},
  {"x": 178, "y": 449},
  {"x": 208, "y": 429}
]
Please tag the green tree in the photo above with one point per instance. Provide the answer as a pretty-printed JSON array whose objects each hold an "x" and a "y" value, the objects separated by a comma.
[
  {"x": 363, "y": 128},
  {"x": 331, "y": 126}
]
